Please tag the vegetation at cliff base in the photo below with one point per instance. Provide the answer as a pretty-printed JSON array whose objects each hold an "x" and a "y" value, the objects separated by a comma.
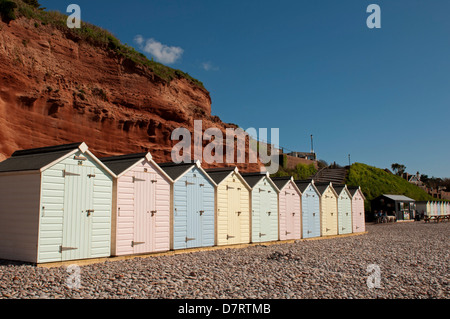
[
  {"x": 88, "y": 33},
  {"x": 300, "y": 172}
]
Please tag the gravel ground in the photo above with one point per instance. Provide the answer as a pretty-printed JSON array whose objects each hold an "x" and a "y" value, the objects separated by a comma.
[{"x": 413, "y": 260}]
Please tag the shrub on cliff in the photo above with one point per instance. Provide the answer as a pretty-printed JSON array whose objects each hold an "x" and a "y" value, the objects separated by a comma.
[
  {"x": 33, "y": 3},
  {"x": 7, "y": 8}
]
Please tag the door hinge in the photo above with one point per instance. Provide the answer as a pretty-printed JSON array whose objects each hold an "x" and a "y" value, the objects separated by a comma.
[
  {"x": 201, "y": 185},
  {"x": 268, "y": 213},
  {"x": 287, "y": 233},
  {"x": 62, "y": 248},
  {"x": 154, "y": 181},
  {"x": 189, "y": 183},
  {"x": 260, "y": 235},
  {"x": 201, "y": 212},
  {"x": 91, "y": 175},
  {"x": 229, "y": 187},
  {"x": 135, "y": 179},
  {"x": 326, "y": 229},
  {"x": 189, "y": 239},
  {"x": 66, "y": 173},
  {"x": 228, "y": 237},
  {"x": 309, "y": 232},
  {"x": 239, "y": 213},
  {"x": 153, "y": 212}
]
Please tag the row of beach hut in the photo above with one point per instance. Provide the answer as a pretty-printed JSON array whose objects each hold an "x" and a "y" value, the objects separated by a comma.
[
  {"x": 433, "y": 208},
  {"x": 62, "y": 203}
]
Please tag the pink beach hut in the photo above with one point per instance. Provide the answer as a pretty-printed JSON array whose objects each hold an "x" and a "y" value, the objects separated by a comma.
[
  {"x": 289, "y": 204},
  {"x": 141, "y": 205}
]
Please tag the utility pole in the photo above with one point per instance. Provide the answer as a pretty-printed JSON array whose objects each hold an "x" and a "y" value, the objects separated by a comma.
[{"x": 349, "y": 163}]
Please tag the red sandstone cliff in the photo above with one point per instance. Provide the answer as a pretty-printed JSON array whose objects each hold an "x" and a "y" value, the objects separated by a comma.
[{"x": 54, "y": 90}]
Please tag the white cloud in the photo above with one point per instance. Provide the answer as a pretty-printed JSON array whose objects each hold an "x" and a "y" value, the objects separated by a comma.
[
  {"x": 139, "y": 39},
  {"x": 208, "y": 66},
  {"x": 161, "y": 52}
]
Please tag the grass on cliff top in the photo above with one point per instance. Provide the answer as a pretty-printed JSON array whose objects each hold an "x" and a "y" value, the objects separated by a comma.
[
  {"x": 97, "y": 37},
  {"x": 375, "y": 182}
]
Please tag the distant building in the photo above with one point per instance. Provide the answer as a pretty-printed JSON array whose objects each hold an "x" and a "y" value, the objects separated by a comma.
[
  {"x": 439, "y": 193},
  {"x": 413, "y": 179},
  {"x": 308, "y": 156},
  {"x": 395, "y": 205}
]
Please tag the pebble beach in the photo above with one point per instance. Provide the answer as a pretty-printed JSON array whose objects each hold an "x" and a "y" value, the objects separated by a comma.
[{"x": 412, "y": 259}]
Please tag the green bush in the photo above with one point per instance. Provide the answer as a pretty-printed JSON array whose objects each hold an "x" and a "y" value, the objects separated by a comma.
[
  {"x": 300, "y": 172},
  {"x": 305, "y": 171},
  {"x": 33, "y": 3},
  {"x": 7, "y": 10}
]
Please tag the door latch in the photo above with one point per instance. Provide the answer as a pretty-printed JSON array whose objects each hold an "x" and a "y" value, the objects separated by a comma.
[
  {"x": 201, "y": 212},
  {"x": 62, "y": 248},
  {"x": 135, "y": 243}
]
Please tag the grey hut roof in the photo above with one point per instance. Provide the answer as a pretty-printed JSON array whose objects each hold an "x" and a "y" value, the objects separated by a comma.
[
  {"x": 36, "y": 158},
  {"x": 120, "y": 163},
  {"x": 175, "y": 170},
  {"x": 353, "y": 189},
  {"x": 338, "y": 188},
  {"x": 302, "y": 184},
  {"x": 253, "y": 178},
  {"x": 321, "y": 187},
  {"x": 219, "y": 174},
  {"x": 281, "y": 181},
  {"x": 399, "y": 198}
]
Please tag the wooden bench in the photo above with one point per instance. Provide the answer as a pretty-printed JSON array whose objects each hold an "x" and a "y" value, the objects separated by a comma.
[{"x": 427, "y": 219}]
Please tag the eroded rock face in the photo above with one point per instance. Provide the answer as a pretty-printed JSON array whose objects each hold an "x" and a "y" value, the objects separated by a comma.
[{"x": 54, "y": 90}]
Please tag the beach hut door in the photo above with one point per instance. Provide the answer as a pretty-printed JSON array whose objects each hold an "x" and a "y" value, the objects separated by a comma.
[
  {"x": 234, "y": 213},
  {"x": 145, "y": 212},
  {"x": 78, "y": 212},
  {"x": 194, "y": 212},
  {"x": 290, "y": 215}
]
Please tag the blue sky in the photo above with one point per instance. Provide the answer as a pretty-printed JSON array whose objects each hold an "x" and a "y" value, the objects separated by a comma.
[{"x": 308, "y": 67}]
